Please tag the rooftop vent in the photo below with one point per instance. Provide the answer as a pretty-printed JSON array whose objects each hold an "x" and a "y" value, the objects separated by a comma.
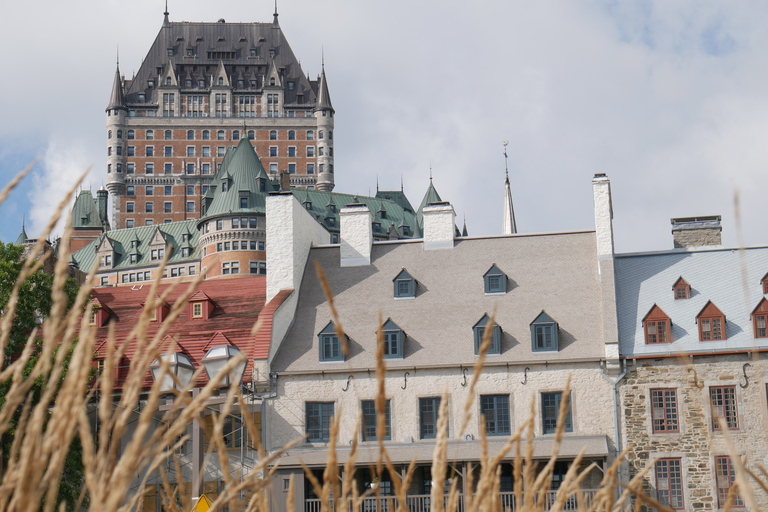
[
  {"x": 696, "y": 231},
  {"x": 221, "y": 20}
]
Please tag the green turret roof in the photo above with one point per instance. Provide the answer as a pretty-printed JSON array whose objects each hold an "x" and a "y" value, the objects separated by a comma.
[
  {"x": 121, "y": 241},
  {"x": 241, "y": 177},
  {"x": 22, "y": 236},
  {"x": 430, "y": 197},
  {"x": 85, "y": 213}
]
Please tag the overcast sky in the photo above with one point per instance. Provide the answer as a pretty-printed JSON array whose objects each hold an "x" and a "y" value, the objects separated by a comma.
[{"x": 667, "y": 97}]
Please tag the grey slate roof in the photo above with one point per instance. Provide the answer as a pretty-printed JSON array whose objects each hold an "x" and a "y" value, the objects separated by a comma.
[
  {"x": 323, "y": 96},
  {"x": 556, "y": 273},
  {"x": 121, "y": 241},
  {"x": 207, "y": 44},
  {"x": 116, "y": 99},
  {"x": 643, "y": 280}
]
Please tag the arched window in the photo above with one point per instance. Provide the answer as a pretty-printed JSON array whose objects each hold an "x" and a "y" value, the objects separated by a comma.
[
  {"x": 131, "y": 134},
  {"x": 251, "y": 135},
  {"x": 272, "y": 81},
  {"x": 273, "y": 135},
  {"x": 221, "y": 81},
  {"x": 220, "y": 135},
  {"x": 206, "y": 135},
  {"x": 190, "y": 134},
  {"x": 235, "y": 134},
  {"x": 109, "y": 134},
  {"x": 291, "y": 135}
]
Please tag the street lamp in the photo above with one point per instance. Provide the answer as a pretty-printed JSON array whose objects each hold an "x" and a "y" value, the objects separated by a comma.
[
  {"x": 179, "y": 365},
  {"x": 215, "y": 360}
]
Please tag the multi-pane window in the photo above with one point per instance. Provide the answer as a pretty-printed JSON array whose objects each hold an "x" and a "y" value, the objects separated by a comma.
[
  {"x": 726, "y": 478},
  {"x": 669, "y": 483},
  {"x": 428, "y": 411},
  {"x": 167, "y": 207},
  {"x": 760, "y": 329},
  {"x": 544, "y": 333},
  {"x": 495, "y": 280},
  {"x": 221, "y": 105},
  {"x": 370, "y": 421},
  {"x": 495, "y": 411},
  {"x": 550, "y": 408},
  {"x": 169, "y": 100},
  {"x": 479, "y": 331},
  {"x": 711, "y": 329},
  {"x": 330, "y": 348},
  {"x": 393, "y": 340},
  {"x": 318, "y": 425},
  {"x": 664, "y": 410},
  {"x": 656, "y": 331},
  {"x": 723, "y": 402}
]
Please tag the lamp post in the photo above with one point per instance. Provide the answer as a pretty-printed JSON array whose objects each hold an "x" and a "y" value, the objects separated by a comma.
[{"x": 179, "y": 365}]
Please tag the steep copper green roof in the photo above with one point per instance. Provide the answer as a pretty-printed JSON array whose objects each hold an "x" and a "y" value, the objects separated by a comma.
[
  {"x": 398, "y": 196},
  {"x": 325, "y": 207},
  {"x": 22, "y": 237},
  {"x": 430, "y": 197},
  {"x": 241, "y": 176},
  {"x": 121, "y": 240},
  {"x": 85, "y": 213}
]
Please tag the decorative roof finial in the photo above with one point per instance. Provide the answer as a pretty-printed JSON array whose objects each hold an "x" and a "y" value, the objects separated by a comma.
[
  {"x": 166, "y": 21},
  {"x": 276, "y": 8},
  {"x": 377, "y": 183},
  {"x": 401, "y": 182},
  {"x": 117, "y": 56},
  {"x": 430, "y": 172},
  {"x": 275, "y": 23}
]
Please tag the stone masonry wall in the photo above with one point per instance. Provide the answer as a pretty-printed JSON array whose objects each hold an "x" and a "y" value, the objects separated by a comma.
[{"x": 696, "y": 444}]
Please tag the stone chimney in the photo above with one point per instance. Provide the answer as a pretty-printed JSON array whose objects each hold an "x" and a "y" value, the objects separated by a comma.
[
  {"x": 696, "y": 231},
  {"x": 285, "y": 181},
  {"x": 356, "y": 235},
  {"x": 102, "y": 197},
  {"x": 439, "y": 226}
]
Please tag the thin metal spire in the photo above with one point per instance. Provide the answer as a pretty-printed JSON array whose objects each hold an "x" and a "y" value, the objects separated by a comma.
[
  {"x": 430, "y": 172},
  {"x": 377, "y": 183},
  {"x": 401, "y": 182},
  {"x": 506, "y": 165}
]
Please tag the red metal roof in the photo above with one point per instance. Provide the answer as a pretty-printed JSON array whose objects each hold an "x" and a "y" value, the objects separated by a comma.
[{"x": 238, "y": 302}]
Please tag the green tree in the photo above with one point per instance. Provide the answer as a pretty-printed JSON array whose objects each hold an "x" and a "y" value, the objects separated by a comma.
[{"x": 34, "y": 303}]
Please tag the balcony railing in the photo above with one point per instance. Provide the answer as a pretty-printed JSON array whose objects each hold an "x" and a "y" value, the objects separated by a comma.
[{"x": 422, "y": 502}]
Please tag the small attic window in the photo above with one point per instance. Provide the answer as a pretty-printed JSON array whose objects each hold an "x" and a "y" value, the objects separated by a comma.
[
  {"x": 150, "y": 83},
  {"x": 393, "y": 340},
  {"x": 142, "y": 98},
  {"x": 479, "y": 330},
  {"x": 406, "y": 231},
  {"x": 404, "y": 285},
  {"x": 308, "y": 205},
  {"x": 681, "y": 289},
  {"x": 272, "y": 53},
  {"x": 170, "y": 52},
  {"x": 220, "y": 39},
  {"x": 495, "y": 281},
  {"x": 272, "y": 82},
  {"x": 190, "y": 52},
  {"x": 291, "y": 85},
  {"x": 332, "y": 208},
  {"x": 377, "y": 227},
  {"x": 330, "y": 348},
  {"x": 711, "y": 323},
  {"x": 331, "y": 221},
  {"x": 657, "y": 326},
  {"x": 544, "y": 334}
]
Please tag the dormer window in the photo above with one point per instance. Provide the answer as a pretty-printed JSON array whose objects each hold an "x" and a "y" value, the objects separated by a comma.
[
  {"x": 760, "y": 319},
  {"x": 544, "y": 333},
  {"x": 243, "y": 201},
  {"x": 405, "y": 285},
  {"x": 657, "y": 326},
  {"x": 99, "y": 314},
  {"x": 711, "y": 323},
  {"x": 330, "y": 221},
  {"x": 134, "y": 258},
  {"x": 479, "y": 331},
  {"x": 106, "y": 261},
  {"x": 377, "y": 227},
  {"x": 157, "y": 254},
  {"x": 764, "y": 284},
  {"x": 682, "y": 289},
  {"x": 185, "y": 251},
  {"x": 393, "y": 340},
  {"x": 330, "y": 348},
  {"x": 332, "y": 208},
  {"x": 406, "y": 231},
  {"x": 150, "y": 83},
  {"x": 495, "y": 280},
  {"x": 308, "y": 205}
]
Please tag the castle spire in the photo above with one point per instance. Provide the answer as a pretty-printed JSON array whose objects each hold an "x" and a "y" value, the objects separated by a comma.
[
  {"x": 323, "y": 96},
  {"x": 509, "y": 227},
  {"x": 275, "y": 23},
  {"x": 166, "y": 21},
  {"x": 116, "y": 100}
]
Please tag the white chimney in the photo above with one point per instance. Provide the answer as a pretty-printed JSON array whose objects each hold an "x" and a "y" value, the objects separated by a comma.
[
  {"x": 356, "y": 237},
  {"x": 601, "y": 188},
  {"x": 439, "y": 226}
]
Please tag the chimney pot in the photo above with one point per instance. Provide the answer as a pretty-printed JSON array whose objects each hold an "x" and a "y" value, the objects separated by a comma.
[
  {"x": 439, "y": 226},
  {"x": 699, "y": 231}
]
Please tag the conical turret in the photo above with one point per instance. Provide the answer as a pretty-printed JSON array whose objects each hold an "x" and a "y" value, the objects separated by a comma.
[{"x": 116, "y": 99}]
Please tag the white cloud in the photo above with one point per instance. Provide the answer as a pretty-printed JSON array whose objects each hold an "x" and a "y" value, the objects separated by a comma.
[{"x": 665, "y": 96}]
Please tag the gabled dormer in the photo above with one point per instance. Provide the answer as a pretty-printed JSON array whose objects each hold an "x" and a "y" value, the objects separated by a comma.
[
  {"x": 657, "y": 326},
  {"x": 479, "y": 331},
  {"x": 106, "y": 253},
  {"x": 273, "y": 77},
  {"x": 134, "y": 256},
  {"x": 169, "y": 79},
  {"x": 393, "y": 337},
  {"x": 405, "y": 285},
  {"x": 495, "y": 281},
  {"x": 220, "y": 78},
  {"x": 162, "y": 309},
  {"x": 681, "y": 289},
  {"x": 760, "y": 319},
  {"x": 764, "y": 284},
  {"x": 100, "y": 313},
  {"x": 200, "y": 306},
  {"x": 157, "y": 245},
  {"x": 544, "y": 333},
  {"x": 711, "y": 323}
]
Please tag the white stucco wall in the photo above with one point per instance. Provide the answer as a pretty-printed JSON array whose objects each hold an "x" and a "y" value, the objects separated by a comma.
[{"x": 439, "y": 226}]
